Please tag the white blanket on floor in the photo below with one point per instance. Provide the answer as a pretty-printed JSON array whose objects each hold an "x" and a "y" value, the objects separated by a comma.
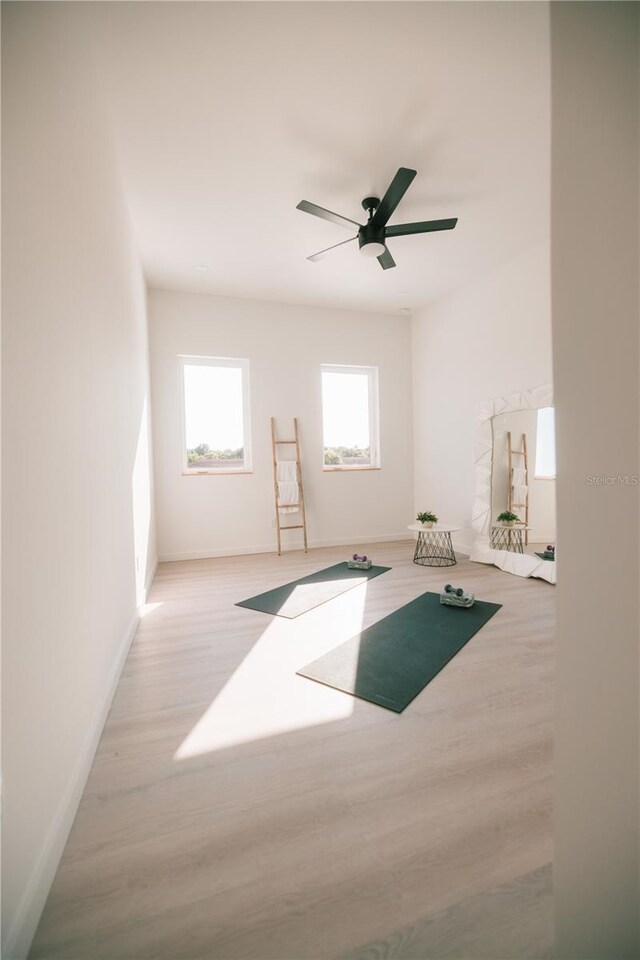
[{"x": 520, "y": 564}]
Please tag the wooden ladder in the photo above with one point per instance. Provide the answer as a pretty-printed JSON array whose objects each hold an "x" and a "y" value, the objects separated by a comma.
[
  {"x": 275, "y": 443},
  {"x": 519, "y": 453}
]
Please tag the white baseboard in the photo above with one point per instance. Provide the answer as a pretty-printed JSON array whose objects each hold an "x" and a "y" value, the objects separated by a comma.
[
  {"x": 32, "y": 903},
  {"x": 356, "y": 541},
  {"x": 212, "y": 554},
  {"x": 464, "y": 542}
]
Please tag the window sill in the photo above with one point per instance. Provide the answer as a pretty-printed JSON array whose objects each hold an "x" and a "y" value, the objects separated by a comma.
[
  {"x": 348, "y": 469},
  {"x": 216, "y": 473}
]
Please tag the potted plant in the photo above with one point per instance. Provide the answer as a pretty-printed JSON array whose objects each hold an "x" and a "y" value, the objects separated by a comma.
[
  {"x": 508, "y": 518},
  {"x": 427, "y": 519}
]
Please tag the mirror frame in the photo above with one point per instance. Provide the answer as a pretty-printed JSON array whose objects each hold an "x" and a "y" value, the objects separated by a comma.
[{"x": 483, "y": 451}]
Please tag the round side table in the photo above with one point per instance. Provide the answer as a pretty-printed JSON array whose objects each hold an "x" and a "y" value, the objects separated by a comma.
[{"x": 434, "y": 547}]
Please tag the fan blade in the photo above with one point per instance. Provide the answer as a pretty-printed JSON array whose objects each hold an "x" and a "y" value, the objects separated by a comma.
[
  {"x": 395, "y": 192},
  {"x": 317, "y": 211},
  {"x": 386, "y": 260},
  {"x": 321, "y": 253},
  {"x": 426, "y": 226}
]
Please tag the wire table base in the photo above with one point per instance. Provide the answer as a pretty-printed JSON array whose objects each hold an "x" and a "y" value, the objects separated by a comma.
[
  {"x": 434, "y": 549},
  {"x": 507, "y": 538}
]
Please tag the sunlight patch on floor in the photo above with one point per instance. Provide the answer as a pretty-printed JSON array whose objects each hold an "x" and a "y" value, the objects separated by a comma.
[
  {"x": 147, "y": 608},
  {"x": 309, "y": 595},
  {"x": 264, "y": 697}
]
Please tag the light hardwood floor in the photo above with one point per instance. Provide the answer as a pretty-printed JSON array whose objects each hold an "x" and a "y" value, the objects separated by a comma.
[
  {"x": 236, "y": 810},
  {"x": 511, "y": 921}
]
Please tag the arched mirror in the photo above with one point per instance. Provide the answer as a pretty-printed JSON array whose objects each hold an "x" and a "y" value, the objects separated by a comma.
[{"x": 514, "y": 514}]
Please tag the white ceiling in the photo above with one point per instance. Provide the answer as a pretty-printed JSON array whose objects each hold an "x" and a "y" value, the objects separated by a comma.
[{"x": 228, "y": 114}]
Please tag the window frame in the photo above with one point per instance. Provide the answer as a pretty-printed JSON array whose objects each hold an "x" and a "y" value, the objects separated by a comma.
[
  {"x": 236, "y": 362},
  {"x": 374, "y": 416}
]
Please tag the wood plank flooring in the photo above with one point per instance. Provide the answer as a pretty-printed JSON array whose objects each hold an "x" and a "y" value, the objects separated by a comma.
[
  {"x": 511, "y": 921},
  {"x": 236, "y": 811}
]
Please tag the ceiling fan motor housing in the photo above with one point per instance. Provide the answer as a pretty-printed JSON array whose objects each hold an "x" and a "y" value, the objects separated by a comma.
[{"x": 370, "y": 234}]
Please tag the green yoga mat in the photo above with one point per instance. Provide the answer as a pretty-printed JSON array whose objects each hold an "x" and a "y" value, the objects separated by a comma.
[
  {"x": 391, "y": 661},
  {"x": 297, "y": 597}
]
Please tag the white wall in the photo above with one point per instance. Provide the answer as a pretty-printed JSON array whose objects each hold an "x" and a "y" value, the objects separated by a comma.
[
  {"x": 491, "y": 337},
  {"x": 201, "y": 516},
  {"x": 595, "y": 256},
  {"x": 77, "y": 501}
]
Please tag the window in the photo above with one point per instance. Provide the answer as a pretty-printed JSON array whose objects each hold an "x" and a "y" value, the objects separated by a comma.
[
  {"x": 546, "y": 444},
  {"x": 350, "y": 418},
  {"x": 215, "y": 415}
]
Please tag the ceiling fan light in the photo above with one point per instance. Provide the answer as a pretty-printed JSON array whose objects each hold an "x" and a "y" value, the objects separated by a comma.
[{"x": 372, "y": 249}]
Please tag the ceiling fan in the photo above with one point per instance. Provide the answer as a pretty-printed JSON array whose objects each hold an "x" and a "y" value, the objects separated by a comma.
[{"x": 372, "y": 235}]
